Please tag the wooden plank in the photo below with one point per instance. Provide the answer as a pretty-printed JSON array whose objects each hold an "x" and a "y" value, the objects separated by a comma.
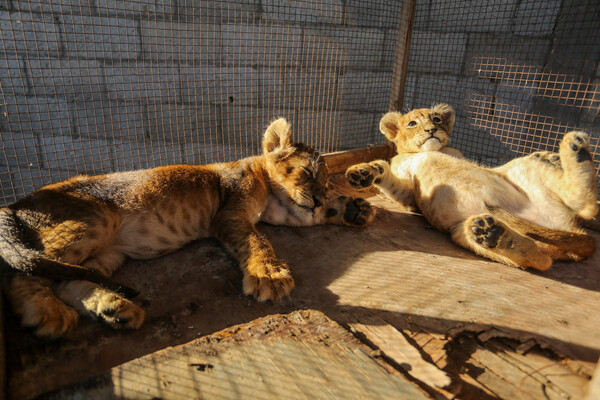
[
  {"x": 338, "y": 162},
  {"x": 401, "y": 55},
  {"x": 395, "y": 346},
  {"x": 301, "y": 355},
  {"x": 592, "y": 391}
]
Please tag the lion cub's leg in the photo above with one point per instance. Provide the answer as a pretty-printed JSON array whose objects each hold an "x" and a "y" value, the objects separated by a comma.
[
  {"x": 92, "y": 299},
  {"x": 379, "y": 174},
  {"x": 38, "y": 307},
  {"x": 577, "y": 188},
  {"x": 266, "y": 277},
  {"x": 349, "y": 211},
  {"x": 492, "y": 238}
]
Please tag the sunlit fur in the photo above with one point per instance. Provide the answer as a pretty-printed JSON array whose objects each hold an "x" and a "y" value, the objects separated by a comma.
[
  {"x": 98, "y": 221},
  {"x": 523, "y": 213}
]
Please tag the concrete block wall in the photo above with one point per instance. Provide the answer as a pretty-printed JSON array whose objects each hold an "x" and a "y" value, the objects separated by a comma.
[
  {"x": 519, "y": 73},
  {"x": 94, "y": 86}
]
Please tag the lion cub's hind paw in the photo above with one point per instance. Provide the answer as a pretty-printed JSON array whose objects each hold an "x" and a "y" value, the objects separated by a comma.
[
  {"x": 52, "y": 320},
  {"x": 486, "y": 231},
  {"x": 119, "y": 312},
  {"x": 549, "y": 158},
  {"x": 577, "y": 143},
  {"x": 364, "y": 175}
]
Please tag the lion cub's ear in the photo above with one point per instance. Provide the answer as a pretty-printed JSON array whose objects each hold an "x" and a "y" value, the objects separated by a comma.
[
  {"x": 389, "y": 124},
  {"x": 276, "y": 136},
  {"x": 447, "y": 115}
]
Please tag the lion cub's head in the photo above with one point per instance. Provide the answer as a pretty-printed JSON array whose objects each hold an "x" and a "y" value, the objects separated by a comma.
[
  {"x": 294, "y": 169},
  {"x": 423, "y": 129}
]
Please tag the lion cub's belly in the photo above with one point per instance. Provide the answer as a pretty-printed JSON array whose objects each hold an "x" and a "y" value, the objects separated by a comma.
[{"x": 149, "y": 235}]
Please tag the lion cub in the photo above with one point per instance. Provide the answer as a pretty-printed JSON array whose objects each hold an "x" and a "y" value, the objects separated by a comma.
[
  {"x": 92, "y": 223},
  {"x": 523, "y": 213}
]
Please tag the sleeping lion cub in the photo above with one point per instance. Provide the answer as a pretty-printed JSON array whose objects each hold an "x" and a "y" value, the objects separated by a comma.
[
  {"x": 70, "y": 229},
  {"x": 523, "y": 213}
]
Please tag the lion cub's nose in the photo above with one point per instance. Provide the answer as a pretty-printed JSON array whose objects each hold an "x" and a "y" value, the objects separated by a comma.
[
  {"x": 431, "y": 130},
  {"x": 317, "y": 202}
]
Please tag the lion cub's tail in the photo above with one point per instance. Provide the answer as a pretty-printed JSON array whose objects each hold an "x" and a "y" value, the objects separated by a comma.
[{"x": 15, "y": 255}]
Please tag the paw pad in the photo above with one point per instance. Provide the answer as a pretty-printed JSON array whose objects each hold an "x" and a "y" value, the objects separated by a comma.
[{"x": 486, "y": 231}]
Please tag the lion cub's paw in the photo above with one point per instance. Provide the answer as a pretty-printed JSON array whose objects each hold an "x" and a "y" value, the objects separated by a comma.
[
  {"x": 349, "y": 211},
  {"x": 549, "y": 158},
  {"x": 486, "y": 230},
  {"x": 576, "y": 144},
  {"x": 51, "y": 319},
  {"x": 271, "y": 280},
  {"x": 364, "y": 175},
  {"x": 118, "y": 312}
]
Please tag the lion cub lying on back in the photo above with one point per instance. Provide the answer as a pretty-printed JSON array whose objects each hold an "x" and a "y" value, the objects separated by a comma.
[
  {"x": 95, "y": 222},
  {"x": 523, "y": 213}
]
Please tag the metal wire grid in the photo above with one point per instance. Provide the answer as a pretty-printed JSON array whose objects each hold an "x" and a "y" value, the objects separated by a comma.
[
  {"x": 94, "y": 86},
  {"x": 520, "y": 74}
]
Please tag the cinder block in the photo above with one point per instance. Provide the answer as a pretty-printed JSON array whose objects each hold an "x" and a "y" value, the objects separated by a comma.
[
  {"x": 101, "y": 37},
  {"x": 31, "y": 33},
  {"x": 505, "y": 50},
  {"x": 8, "y": 187},
  {"x": 37, "y": 115},
  {"x": 181, "y": 122},
  {"x": 26, "y": 180},
  {"x": 187, "y": 42},
  {"x": 365, "y": 91},
  {"x": 379, "y": 13},
  {"x": 433, "y": 89},
  {"x": 536, "y": 18},
  {"x": 410, "y": 92},
  {"x": 475, "y": 139},
  {"x": 251, "y": 45},
  {"x": 437, "y": 52},
  {"x": 219, "y": 11},
  {"x": 132, "y": 155},
  {"x": 312, "y": 88},
  {"x": 77, "y": 155},
  {"x": 575, "y": 44},
  {"x": 333, "y": 47},
  {"x": 70, "y": 78},
  {"x": 109, "y": 119},
  {"x": 272, "y": 89},
  {"x": 19, "y": 150},
  {"x": 472, "y": 15},
  {"x": 129, "y": 8},
  {"x": 243, "y": 129},
  {"x": 305, "y": 11},
  {"x": 339, "y": 130},
  {"x": 81, "y": 7},
  {"x": 12, "y": 77},
  {"x": 151, "y": 82},
  {"x": 229, "y": 85}
]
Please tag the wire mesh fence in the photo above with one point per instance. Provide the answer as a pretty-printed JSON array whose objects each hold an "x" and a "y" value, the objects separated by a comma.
[{"x": 94, "y": 86}]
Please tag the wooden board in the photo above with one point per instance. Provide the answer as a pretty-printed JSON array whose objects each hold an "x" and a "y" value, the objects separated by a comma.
[
  {"x": 408, "y": 275},
  {"x": 296, "y": 356}
]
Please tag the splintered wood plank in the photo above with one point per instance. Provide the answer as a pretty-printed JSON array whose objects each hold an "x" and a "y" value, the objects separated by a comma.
[
  {"x": 302, "y": 355},
  {"x": 395, "y": 346}
]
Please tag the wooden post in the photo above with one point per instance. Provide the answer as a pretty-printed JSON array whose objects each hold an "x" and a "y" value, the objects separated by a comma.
[{"x": 401, "y": 55}]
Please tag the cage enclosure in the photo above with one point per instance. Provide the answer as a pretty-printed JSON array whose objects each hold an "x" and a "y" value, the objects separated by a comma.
[{"x": 98, "y": 86}]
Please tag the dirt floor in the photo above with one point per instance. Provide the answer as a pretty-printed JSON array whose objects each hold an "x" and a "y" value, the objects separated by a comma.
[{"x": 452, "y": 324}]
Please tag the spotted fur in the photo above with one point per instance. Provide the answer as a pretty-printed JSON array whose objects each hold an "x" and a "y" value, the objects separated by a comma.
[
  {"x": 93, "y": 223},
  {"x": 523, "y": 213}
]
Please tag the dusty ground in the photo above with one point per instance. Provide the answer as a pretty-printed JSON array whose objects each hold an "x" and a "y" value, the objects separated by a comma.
[{"x": 399, "y": 286}]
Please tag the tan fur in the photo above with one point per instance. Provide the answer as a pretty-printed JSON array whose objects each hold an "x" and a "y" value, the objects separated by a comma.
[
  {"x": 97, "y": 222},
  {"x": 523, "y": 213}
]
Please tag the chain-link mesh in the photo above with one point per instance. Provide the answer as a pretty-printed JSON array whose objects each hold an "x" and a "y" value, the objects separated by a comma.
[
  {"x": 93, "y": 86},
  {"x": 519, "y": 74}
]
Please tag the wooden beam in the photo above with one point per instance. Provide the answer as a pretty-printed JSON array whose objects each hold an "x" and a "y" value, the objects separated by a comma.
[
  {"x": 339, "y": 161},
  {"x": 400, "y": 69}
]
